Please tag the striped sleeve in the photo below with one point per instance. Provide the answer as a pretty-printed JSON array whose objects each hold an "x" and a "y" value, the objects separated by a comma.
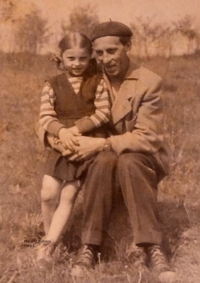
[
  {"x": 102, "y": 112},
  {"x": 102, "y": 104},
  {"x": 48, "y": 118}
]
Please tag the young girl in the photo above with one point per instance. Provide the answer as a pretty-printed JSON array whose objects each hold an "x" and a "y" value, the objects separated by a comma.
[{"x": 74, "y": 102}]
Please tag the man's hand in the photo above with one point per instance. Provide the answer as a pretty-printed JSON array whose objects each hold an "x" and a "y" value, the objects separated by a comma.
[{"x": 87, "y": 148}]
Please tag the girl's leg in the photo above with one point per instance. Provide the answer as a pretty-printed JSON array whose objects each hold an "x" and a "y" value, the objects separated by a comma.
[
  {"x": 50, "y": 193},
  {"x": 62, "y": 214}
]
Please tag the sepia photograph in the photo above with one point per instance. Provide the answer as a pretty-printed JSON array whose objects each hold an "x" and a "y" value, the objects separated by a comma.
[{"x": 100, "y": 141}]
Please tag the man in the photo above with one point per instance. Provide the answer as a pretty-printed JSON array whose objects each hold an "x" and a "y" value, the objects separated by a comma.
[
  {"x": 137, "y": 139},
  {"x": 135, "y": 144}
]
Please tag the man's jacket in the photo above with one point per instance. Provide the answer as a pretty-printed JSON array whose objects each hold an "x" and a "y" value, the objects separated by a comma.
[{"x": 137, "y": 116}]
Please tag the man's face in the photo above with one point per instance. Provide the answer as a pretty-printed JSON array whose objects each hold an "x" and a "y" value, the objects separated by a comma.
[{"x": 112, "y": 55}]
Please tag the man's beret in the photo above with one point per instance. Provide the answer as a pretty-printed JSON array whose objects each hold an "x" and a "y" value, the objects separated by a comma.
[{"x": 111, "y": 29}]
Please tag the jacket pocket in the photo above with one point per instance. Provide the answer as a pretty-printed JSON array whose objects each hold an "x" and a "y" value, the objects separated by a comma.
[{"x": 130, "y": 124}]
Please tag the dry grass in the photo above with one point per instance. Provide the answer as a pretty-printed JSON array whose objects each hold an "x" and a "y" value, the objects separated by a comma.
[{"x": 22, "y": 158}]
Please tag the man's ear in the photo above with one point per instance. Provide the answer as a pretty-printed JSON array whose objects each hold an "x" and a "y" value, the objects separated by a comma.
[{"x": 128, "y": 46}]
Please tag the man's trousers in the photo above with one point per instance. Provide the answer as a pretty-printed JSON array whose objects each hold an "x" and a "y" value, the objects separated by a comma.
[{"x": 137, "y": 174}]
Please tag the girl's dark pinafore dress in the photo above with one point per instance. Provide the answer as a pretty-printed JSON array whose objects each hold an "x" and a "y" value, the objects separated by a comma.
[{"x": 70, "y": 107}]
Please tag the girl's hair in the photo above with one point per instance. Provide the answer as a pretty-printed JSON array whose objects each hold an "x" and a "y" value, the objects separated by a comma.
[
  {"x": 71, "y": 40},
  {"x": 75, "y": 39}
]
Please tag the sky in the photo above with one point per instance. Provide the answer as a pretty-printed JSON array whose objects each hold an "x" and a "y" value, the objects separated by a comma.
[
  {"x": 126, "y": 11},
  {"x": 121, "y": 10}
]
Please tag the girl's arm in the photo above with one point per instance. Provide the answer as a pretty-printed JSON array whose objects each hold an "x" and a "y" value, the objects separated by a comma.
[
  {"x": 48, "y": 118},
  {"x": 49, "y": 121},
  {"x": 102, "y": 112}
]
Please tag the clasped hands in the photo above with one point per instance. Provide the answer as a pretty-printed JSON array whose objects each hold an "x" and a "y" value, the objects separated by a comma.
[
  {"x": 68, "y": 137},
  {"x": 75, "y": 146}
]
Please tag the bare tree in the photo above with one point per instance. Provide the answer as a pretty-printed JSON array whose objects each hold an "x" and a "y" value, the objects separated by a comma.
[
  {"x": 7, "y": 9},
  {"x": 32, "y": 32},
  {"x": 82, "y": 19},
  {"x": 7, "y": 12},
  {"x": 152, "y": 38},
  {"x": 186, "y": 28},
  {"x": 136, "y": 39},
  {"x": 147, "y": 36}
]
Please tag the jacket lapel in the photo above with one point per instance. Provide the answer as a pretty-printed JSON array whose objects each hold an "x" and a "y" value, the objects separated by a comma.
[
  {"x": 121, "y": 105},
  {"x": 122, "y": 102}
]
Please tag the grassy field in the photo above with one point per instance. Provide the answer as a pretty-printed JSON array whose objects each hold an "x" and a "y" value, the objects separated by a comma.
[{"x": 21, "y": 166}]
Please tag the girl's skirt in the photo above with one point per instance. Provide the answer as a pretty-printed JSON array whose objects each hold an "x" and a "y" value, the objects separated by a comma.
[{"x": 60, "y": 167}]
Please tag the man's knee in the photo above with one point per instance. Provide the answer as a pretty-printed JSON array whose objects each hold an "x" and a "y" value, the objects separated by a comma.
[
  {"x": 127, "y": 160},
  {"x": 106, "y": 158},
  {"x": 139, "y": 166}
]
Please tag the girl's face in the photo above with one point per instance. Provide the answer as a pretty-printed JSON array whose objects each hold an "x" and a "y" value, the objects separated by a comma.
[{"x": 76, "y": 60}]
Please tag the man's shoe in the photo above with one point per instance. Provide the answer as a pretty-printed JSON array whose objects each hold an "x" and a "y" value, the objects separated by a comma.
[
  {"x": 159, "y": 264},
  {"x": 157, "y": 259},
  {"x": 136, "y": 256},
  {"x": 84, "y": 261},
  {"x": 44, "y": 254}
]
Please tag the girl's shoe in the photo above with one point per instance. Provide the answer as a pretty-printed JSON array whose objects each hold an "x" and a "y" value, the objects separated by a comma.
[
  {"x": 44, "y": 257},
  {"x": 84, "y": 261}
]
